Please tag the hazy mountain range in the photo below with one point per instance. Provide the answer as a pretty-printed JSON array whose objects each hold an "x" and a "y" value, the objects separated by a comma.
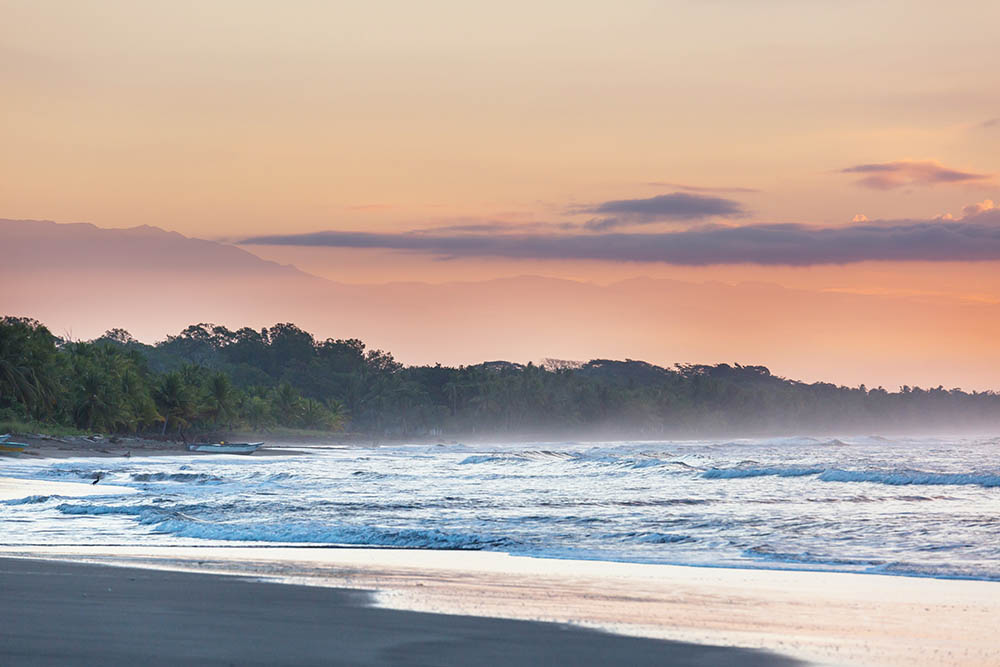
[{"x": 80, "y": 280}]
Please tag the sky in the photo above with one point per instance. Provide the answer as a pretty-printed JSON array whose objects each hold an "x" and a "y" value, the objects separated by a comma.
[{"x": 831, "y": 146}]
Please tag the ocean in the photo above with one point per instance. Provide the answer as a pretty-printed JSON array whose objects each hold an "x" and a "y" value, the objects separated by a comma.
[{"x": 901, "y": 506}]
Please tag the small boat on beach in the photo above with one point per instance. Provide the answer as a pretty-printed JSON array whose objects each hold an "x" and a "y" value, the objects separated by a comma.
[
  {"x": 224, "y": 447},
  {"x": 10, "y": 447}
]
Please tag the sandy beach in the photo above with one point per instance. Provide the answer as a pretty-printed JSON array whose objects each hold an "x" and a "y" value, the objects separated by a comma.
[
  {"x": 822, "y": 618},
  {"x": 12, "y": 488},
  {"x": 830, "y": 618},
  {"x": 93, "y": 615},
  {"x": 500, "y": 333},
  {"x": 63, "y": 447}
]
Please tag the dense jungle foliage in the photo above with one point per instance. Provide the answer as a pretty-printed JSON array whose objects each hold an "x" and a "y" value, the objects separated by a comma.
[{"x": 209, "y": 379}]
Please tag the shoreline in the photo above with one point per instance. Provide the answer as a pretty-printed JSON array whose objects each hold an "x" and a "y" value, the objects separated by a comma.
[
  {"x": 44, "y": 446},
  {"x": 820, "y": 616},
  {"x": 16, "y": 488},
  {"x": 64, "y": 447},
  {"x": 824, "y": 618},
  {"x": 125, "y": 616}
]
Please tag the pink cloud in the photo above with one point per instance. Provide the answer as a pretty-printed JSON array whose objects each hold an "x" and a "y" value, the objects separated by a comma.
[
  {"x": 891, "y": 175},
  {"x": 980, "y": 207}
]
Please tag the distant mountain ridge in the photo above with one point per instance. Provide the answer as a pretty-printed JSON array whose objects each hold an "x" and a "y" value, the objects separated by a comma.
[
  {"x": 29, "y": 244},
  {"x": 81, "y": 280}
]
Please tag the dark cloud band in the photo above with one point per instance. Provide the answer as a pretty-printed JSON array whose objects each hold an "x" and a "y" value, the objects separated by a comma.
[
  {"x": 676, "y": 206},
  {"x": 977, "y": 239},
  {"x": 890, "y": 175}
]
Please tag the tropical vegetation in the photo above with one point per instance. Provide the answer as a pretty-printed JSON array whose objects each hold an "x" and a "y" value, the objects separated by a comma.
[{"x": 209, "y": 378}]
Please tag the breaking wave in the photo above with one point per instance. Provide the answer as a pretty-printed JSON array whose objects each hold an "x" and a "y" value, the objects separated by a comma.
[
  {"x": 179, "y": 524},
  {"x": 519, "y": 457},
  {"x": 908, "y": 477},
  {"x": 324, "y": 534},
  {"x": 30, "y": 500},
  {"x": 887, "y": 477},
  {"x": 91, "y": 509},
  {"x": 653, "y": 537},
  {"x": 807, "y": 558},
  {"x": 632, "y": 460},
  {"x": 922, "y": 507},
  {"x": 199, "y": 478},
  {"x": 737, "y": 473}
]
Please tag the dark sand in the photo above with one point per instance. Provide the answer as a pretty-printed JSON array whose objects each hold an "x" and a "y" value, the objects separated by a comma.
[
  {"x": 74, "y": 614},
  {"x": 49, "y": 447}
]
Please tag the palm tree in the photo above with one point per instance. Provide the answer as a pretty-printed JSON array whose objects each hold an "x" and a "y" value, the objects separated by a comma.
[
  {"x": 221, "y": 399},
  {"x": 18, "y": 381},
  {"x": 176, "y": 402},
  {"x": 338, "y": 414},
  {"x": 257, "y": 412},
  {"x": 316, "y": 415},
  {"x": 27, "y": 352},
  {"x": 140, "y": 405},
  {"x": 98, "y": 405},
  {"x": 287, "y": 404}
]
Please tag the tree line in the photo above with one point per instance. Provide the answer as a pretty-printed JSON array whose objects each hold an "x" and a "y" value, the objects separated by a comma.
[{"x": 209, "y": 378}]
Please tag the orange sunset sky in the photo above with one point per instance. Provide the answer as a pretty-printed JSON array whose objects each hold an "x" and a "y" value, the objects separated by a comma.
[{"x": 830, "y": 147}]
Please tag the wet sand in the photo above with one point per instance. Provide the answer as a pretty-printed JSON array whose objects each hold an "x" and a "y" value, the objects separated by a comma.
[
  {"x": 44, "y": 447},
  {"x": 820, "y": 617},
  {"x": 12, "y": 488},
  {"x": 68, "y": 613}
]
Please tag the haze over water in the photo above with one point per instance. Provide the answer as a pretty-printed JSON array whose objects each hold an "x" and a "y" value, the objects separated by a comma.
[{"x": 904, "y": 506}]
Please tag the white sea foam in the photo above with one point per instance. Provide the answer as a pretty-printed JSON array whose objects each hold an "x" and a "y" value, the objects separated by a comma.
[
  {"x": 29, "y": 500},
  {"x": 200, "y": 478},
  {"x": 822, "y": 503}
]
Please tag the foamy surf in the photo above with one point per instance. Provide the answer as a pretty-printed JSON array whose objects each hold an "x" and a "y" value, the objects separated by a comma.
[{"x": 921, "y": 507}]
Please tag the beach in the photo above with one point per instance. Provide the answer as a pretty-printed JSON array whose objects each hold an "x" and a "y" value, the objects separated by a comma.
[
  {"x": 95, "y": 615},
  {"x": 500, "y": 333},
  {"x": 12, "y": 488},
  {"x": 98, "y": 446},
  {"x": 820, "y": 618},
  {"x": 410, "y": 531}
]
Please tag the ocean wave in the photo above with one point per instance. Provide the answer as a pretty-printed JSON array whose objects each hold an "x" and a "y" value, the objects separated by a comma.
[
  {"x": 777, "y": 471},
  {"x": 887, "y": 477},
  {"x": 651, "y": 462},
  {"x": 30, "y": 500},
  {"x": 316, "y": 533},
  {"x": 658, "y": 502},
  {"x": 976, "y": 571},
  {"x": 523, "y": 456},
  {"x": 911, "y": 477},
  {"x": 482, "y": 458},
  {"x": 789, "y": 441},
  {"x": 198, "y": 478},
  {"x": 174, "y": 521},
  {"x": 627, "y": 502},
  {"x": 649, "y": 537},
  {"x": 807, "y": 558},
  {"x": 88, "y": 509},
  {"x": 636, "y": 460},
  {"x": 272, "y": 477},
  {"x": 78, "y": 473}
]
